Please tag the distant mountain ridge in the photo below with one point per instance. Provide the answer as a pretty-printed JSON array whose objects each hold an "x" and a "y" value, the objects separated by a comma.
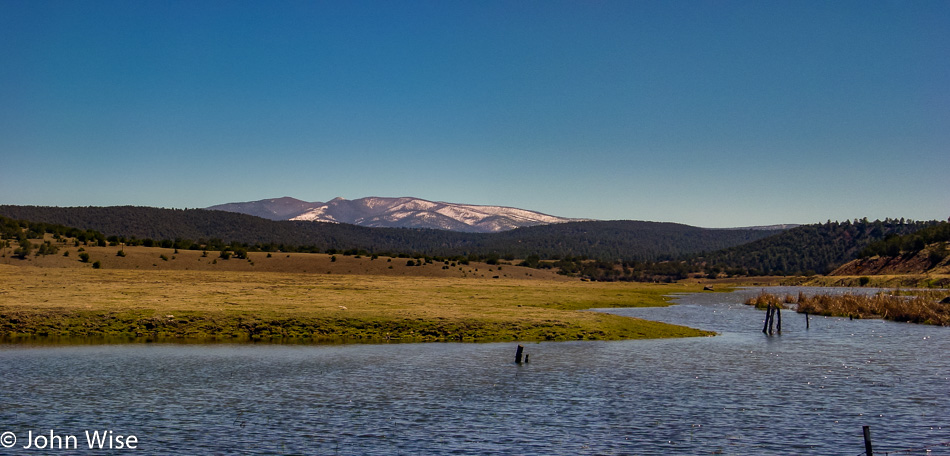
[
  {"x": 403, "y": 212},
  {"x": 284, "y": 208}
]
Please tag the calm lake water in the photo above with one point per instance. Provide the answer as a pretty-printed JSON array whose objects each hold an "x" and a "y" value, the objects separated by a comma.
[{"x": 804, "y": 392}]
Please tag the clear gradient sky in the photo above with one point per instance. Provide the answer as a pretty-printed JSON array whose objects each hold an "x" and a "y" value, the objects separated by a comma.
[{"x": 710, "y": 113}]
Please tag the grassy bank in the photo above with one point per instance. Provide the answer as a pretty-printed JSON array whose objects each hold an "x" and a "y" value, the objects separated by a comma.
[
  {"x": 914, "y": 307},
  {"x": 236, "y": 305}
]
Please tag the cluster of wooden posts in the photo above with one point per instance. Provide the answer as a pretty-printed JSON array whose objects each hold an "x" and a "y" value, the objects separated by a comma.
[
  {"x": 773, "y": 320},
  {"x": 771, "y": 314}
]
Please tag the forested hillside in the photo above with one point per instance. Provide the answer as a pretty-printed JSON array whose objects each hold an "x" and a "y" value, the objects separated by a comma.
[
  {"x": 612, "y": 240},
  {"x": 617, "y": 240},
  {"x": 923, "y": 252},
  {"x": 808, "y": 249},
  {"x": 909, "y": 243}
]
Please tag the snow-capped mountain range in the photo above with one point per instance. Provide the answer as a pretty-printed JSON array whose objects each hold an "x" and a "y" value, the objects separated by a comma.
[{"x": 405, "y": 212}]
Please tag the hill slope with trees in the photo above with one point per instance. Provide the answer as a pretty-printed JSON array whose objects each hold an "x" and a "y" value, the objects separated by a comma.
[
  {"x": 926, "y": 251},
  {"x": 605, "y": 240},
  {"x": 808, "y": 249}
]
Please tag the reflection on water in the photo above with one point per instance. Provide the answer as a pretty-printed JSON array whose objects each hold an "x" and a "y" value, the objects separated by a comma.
[{"x": 804, "y": 392}]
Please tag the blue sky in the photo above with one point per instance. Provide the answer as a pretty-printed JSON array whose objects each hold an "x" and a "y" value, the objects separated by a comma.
[{"x": 712, "y": 113}]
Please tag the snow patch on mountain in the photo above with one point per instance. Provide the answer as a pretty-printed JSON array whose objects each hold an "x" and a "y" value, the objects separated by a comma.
[{"x": 404, "y": 212}]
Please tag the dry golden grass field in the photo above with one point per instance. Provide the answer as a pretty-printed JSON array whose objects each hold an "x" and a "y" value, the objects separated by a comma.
[
  {"x": 155, "y": 259},
  {"x": 308, "y": 297}
]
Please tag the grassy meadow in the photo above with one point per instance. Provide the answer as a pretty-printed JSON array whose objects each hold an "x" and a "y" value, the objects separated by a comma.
[{"x": 160, "y": 294}]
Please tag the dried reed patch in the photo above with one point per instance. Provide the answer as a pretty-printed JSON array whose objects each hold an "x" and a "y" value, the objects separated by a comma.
[
  {"x": 764, "y": 300},
  {"x": 922, "y": 307}
]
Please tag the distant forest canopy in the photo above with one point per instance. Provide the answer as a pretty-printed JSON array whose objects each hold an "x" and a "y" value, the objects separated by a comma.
[
  {"x": 610, "y": 241},
  {"x": 808, "y": 249},
  {"x": 895, "y": 245},
  {"x": 22, "y": 231}
]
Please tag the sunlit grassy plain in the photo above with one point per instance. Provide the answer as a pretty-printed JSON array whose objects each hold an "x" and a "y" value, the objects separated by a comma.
[{"x": 142, "y": 296}]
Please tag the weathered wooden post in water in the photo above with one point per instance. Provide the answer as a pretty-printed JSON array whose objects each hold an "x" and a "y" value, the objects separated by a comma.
[
  {"x": 768, "y": 317},
  {"x": 518, "y": 354},
  {"x": 807, "y": 325},
  {"x": 778, "y": 312},
  {"x": 867, "y": 441}
]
